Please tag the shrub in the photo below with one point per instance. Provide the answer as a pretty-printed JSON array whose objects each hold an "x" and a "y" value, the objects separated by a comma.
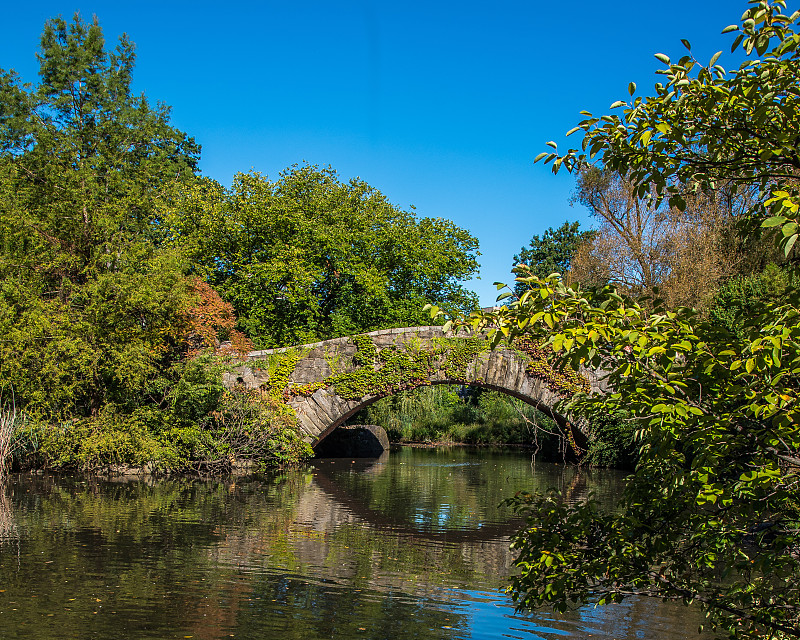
[
  {"x": 611, "y": 443},
  {"x": 253, "y": 425}
]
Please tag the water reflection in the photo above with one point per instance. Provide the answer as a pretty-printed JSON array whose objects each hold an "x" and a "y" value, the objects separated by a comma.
[{"x": 412, "y": 546}]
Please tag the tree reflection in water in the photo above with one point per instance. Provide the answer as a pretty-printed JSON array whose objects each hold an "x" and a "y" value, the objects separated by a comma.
[{"x": 413, "y": 546}]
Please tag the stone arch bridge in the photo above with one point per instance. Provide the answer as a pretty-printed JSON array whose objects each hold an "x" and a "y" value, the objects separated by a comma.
[{"x": 328, "y": 382}]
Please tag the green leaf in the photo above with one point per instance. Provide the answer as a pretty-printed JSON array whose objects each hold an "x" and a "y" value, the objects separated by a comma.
[
  {"x": 789, "y": 229},
  {"x": 662, "y": 58},
  {"x": 774, "y": 221},
  {"x": 789, "y": 244}
]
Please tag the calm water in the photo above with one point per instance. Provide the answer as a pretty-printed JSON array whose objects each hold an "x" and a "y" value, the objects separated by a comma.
[{"x": 414, "y": 546}]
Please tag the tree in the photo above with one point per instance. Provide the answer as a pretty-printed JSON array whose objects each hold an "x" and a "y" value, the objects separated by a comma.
[
  {"x": 91, "y": 309},
  {"x": 703, "y": 129},
  {"x": 633, "y": 237},
  {"x": 105, "y": 339},
  {"x": 644, "y": 247},
  {"x": 84, "y": 158},
  {"x": 553, "y": 251},
  {"x": 711, "y": 514},
  {"x": 309, "y": 257}
]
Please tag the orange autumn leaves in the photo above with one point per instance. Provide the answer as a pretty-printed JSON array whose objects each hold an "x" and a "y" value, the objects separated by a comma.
[{"x": 210, "y": 324}]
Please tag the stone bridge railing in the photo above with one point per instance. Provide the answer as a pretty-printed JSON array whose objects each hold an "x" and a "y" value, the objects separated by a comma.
[{"x": 328, "y": 382}]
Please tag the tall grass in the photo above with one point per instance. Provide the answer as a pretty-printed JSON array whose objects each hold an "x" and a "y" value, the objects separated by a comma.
[
  {"x": 9, "y": 422},
  {"x": 452, "y": 414}
]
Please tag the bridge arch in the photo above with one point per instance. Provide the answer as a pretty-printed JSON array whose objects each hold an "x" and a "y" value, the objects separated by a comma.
[{"x": 327, "y": 382}]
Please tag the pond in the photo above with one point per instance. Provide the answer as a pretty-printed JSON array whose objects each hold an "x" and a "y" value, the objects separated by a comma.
[{"x": 414, "y": 545}]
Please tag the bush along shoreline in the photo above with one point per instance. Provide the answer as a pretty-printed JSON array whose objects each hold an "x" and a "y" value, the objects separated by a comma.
[{"x": 184, "y": 421}]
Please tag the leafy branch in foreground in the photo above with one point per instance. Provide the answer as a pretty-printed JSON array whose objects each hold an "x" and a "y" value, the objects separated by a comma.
[
  {"x": 711, "y": 514},
  {"x": 706, "y": 125}
]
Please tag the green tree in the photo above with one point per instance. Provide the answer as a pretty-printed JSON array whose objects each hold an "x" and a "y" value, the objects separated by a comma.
[
  {"x": 83, "y": 158},
  {"x": 90, "y": 307},
  {"x": 100, "y": 324},
  {"x": 309, "y": 257},
  {"x": 711, "y": 515},
  {"x": 553, "y": 251},
  {"x": 744, "y": 296}
]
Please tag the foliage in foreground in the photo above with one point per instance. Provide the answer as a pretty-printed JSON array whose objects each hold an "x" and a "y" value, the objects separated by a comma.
[{"x": 711, "y": 514}]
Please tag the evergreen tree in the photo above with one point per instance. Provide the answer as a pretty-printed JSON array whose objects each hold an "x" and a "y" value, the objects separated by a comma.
[
  {"x": 89, "y": 305},
  {"x": 553, "y": 251}
]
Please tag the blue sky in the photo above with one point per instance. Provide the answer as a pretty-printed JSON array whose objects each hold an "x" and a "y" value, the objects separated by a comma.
[{"x": 442, "y": 106}]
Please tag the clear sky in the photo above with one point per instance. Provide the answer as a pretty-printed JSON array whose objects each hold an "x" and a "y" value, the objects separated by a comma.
[{"x": 439, "y": 105}]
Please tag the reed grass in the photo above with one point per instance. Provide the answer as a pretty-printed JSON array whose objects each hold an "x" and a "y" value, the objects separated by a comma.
[
  {"x": 9, "y": 422},
  {"x": 447, "y": 414}
]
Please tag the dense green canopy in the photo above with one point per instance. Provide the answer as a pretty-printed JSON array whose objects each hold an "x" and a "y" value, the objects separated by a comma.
[
  {"x": 309, "y": 257},
  {"x": 89, "y": 306}
]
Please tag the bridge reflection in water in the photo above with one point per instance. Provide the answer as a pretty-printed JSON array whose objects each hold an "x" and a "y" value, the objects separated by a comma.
[{"x": 410, "y": 546}]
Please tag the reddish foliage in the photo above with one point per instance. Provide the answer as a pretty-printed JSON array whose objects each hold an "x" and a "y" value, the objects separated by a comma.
[
  {"x": 210, "y": 321},
  {"x": 241, "y": 343}
]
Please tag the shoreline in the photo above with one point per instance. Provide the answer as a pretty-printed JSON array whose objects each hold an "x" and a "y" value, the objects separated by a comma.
[{"x": 239, "y": 467}]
